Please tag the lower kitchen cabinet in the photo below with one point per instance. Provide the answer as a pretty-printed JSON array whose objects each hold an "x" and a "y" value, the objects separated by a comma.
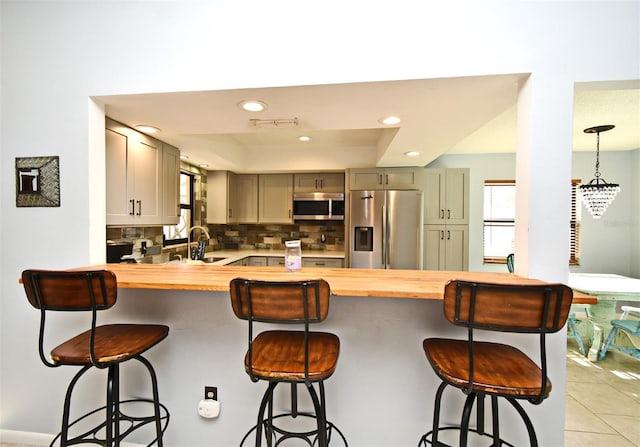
[
  {"x": 446, "y": 247},
  {"x": 273, "y": 261},
  {"x": 257, "y": 261},
  {"x": 322, "y": 262}
]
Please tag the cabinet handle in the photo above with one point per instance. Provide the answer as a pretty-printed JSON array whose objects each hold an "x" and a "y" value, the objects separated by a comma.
[
  {"x": 386, "y": 179},
  {"x": 316, "y": 182},
  {"x": 442, "y": 235},
  {"x": 139, "y": 207},
  {"x": 321, "y": 183},
  {"x": 448, "y": 235},
  {"x": 230, "y": 212},
  {"x": 448, "y": 214},
  {"x": 133, "y": 207},
  {"x": 442, "y": 213},
  {"x": 289, "y": 214},
  {"x": 320, "y": 264},
  {"x": 380, "y": 179}
]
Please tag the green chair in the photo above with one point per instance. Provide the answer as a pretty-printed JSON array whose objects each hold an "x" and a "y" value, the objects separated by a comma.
[
  {"x": 510, "y": 264},
  {"x": 630, "y": 327}
]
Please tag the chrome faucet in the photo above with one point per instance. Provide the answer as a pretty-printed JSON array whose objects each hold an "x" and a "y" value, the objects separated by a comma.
[{"x": 201, "y": 228}]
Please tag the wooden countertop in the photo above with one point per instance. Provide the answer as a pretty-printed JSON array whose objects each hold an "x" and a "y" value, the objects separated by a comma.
[{"x": 412, "y": 284}]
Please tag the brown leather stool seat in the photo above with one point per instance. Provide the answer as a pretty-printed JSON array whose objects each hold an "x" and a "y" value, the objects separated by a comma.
[
  {"x": 481, "y": 368},
  {"x": 288, "y": 356},
  {"x": 101, "y": 346}
]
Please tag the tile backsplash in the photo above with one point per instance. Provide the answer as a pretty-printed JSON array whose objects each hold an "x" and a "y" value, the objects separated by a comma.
[{"x": 312, "y": 235}]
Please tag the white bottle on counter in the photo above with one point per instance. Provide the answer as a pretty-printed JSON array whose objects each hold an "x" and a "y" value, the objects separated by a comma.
[{"x": 292, "y": 256}]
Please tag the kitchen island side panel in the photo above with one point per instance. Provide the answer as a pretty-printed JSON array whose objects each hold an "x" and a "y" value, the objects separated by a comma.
[{"x": 380, "y": 395}]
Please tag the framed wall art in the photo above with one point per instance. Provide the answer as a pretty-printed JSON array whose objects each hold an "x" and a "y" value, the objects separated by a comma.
[{"x": 37, "y": 181}]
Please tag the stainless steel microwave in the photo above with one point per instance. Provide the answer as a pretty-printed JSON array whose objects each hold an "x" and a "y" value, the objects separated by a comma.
[{"x": 318, "y": 206}]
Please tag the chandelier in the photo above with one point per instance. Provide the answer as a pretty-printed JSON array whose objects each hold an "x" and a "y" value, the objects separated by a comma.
[{"x": 597, "y": 195}]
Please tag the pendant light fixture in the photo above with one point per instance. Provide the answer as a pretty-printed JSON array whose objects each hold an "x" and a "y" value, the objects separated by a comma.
[{"x": 597, "y": 195}]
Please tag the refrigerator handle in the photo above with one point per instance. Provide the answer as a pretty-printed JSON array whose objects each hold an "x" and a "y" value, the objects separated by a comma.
[{"x": 384, "y": 236}]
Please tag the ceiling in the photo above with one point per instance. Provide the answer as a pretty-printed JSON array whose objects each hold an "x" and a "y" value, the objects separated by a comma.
[{"x": 449, "y": 115}]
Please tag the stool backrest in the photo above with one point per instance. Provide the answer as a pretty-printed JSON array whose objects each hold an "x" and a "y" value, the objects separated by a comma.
[
  {"x": 70, "y": 290},
  {"x": 539, "y": 308},
  {"x": 280, "y": 301},
  {"x": 56, "y": 290}
]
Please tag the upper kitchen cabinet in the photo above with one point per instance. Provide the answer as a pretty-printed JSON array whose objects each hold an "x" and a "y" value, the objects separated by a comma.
[
  {"x": 170, "y": 185},
  {"x": 446, "y": 196},
  {"x": 134, "y": 172},
  {"x": 385, "y": 178},
  {"x": 319, "y": 182},
  {"x": 232, "y": 198},
  {"x": 275, "y": 198}
]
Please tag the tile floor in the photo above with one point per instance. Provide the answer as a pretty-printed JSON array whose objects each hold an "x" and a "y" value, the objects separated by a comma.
[{"x": 603, "y": 401}]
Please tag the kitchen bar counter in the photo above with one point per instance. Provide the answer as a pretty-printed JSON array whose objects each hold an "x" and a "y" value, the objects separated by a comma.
[
  {"x": 381, "y": 393},
  {"x": 411, "y": 284}
]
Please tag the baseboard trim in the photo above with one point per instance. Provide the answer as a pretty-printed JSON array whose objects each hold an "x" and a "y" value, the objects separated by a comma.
[{"x": 37, "y": 439}]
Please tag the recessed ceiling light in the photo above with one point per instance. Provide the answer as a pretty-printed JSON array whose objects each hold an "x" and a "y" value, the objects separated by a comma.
[
  {"x": 412, "y": 153},
  {"x": 184, "y": 157},
  {"x": 389, "y": 120},
  {"x": 145, "y": 128},
  {"x": 252, "y": 105},
  {"x": 304, "y": 138},
  {"x": 203, "y": 165}
]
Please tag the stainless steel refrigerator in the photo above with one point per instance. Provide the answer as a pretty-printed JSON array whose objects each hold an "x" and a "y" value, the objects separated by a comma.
[{"x": 386, "y": 229}]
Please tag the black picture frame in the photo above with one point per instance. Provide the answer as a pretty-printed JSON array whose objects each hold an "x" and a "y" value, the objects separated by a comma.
[{"x": 38, "y": 181}]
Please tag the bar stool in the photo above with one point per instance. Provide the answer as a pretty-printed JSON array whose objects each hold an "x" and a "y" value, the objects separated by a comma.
[
  {"x": 288, "y": 356},
  {"x": 103, "y": 347},
  {"x": 481, "y": 368}
]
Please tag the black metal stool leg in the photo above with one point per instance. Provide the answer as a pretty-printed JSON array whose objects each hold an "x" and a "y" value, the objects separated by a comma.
[
  {"x": 319, "y": 410},
  {"x": 466, "y": 415},
  {"x": 268, "y": 394},
  {"x": 533, "y": 440},
  {"x": 113, "y": 406},
  {"x": 496, "y": 421},
  {"x": 156, "y": 400},
  {"x": 64, "y": 432}
]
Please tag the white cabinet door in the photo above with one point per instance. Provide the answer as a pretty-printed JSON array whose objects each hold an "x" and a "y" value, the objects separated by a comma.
[
  {"x": 275, "y": 261},
  {"x": 319, "y": 182},
  {"x": 218, "y": 206},
  {"x": 402, "y": 178},
  {"x": 170, "y": 185},
  {"x": 446, "y": 247},
  {"x": 243, "y": 193},
  {"x": 119, "y": 209},
  {"x": 361, "y": 179},
  {"x": 457, "y": 196},
  {"x": 134, "y": 174},
  {"x": 260, "y": 261},
  {"x": 385, "y": 178},
  {"x": 275, "y": 198},
  {"x": 456, "y": 239},
  {"x": 147, "y": 165},
  {"x": 322, "y": 262},
  {"x": 446, "y": 196}
]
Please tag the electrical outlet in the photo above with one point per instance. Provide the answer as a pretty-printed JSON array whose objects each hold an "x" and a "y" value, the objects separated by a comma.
[{"x": 211, "y": 392}]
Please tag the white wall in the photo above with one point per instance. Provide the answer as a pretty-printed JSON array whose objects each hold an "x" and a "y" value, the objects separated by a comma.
[{"x": 56, "y": 54}]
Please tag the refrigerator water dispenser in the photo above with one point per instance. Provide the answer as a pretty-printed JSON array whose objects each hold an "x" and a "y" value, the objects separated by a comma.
[{"x": 363, "y": 238}]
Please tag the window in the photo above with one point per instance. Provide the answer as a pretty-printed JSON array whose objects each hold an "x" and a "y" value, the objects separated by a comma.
[
  {"x": 177, "y": 234},
  {"x": 500, "y": 221}
]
